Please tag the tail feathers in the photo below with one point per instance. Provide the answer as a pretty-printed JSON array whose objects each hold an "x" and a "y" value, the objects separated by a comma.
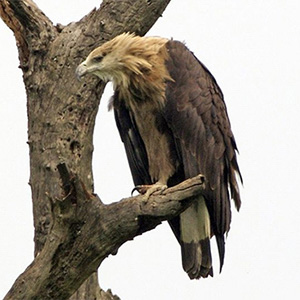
[
  {"x": 196, "y": 259},
  {"x": 195, "y": 234}
]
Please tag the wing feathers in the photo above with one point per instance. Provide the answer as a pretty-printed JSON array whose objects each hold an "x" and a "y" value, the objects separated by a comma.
[
  {"x": 196, "y": 113},
  {"x": 134, "y": 145}
]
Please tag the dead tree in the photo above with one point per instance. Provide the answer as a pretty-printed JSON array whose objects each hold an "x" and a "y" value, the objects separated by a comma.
[{"x": 74, "y": 230}]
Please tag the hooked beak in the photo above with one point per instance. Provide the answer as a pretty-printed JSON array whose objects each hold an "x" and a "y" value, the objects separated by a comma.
[{"x": 81, "y": 70}]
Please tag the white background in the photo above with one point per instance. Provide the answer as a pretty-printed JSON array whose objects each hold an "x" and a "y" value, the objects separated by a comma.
[{"x": 253, "y": 49}]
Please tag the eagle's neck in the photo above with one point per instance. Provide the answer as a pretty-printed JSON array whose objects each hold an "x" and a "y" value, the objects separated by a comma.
[{"x": 144, "y": 77}]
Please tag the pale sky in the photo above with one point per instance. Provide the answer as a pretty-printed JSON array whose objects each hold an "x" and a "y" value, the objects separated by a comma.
[{"x": 253, "y": 49}]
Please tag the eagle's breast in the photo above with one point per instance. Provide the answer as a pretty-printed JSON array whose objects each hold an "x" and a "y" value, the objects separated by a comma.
[{"x": 156, "y": 136}]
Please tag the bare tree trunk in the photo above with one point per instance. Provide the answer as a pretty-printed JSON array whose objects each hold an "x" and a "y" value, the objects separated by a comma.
[{"x": 74, "y": 231}]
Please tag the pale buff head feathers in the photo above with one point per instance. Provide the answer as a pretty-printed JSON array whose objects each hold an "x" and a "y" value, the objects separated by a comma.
[{"x": 127, "y": 57}]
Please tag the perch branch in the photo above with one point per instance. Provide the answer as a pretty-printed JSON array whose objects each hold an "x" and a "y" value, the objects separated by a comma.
[{"x": 67, "y": 259}]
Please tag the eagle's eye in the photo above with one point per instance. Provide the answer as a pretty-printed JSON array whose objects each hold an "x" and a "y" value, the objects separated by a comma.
[{"x": 97, "y": 59}]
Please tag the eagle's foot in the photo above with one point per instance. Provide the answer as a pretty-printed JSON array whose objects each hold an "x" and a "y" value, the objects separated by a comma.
[{"x": 149, "y": 189}]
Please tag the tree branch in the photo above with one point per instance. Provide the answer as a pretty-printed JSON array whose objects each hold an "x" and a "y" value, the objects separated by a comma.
[
  {"x": 67, "y": 258},
  {"x": 141, "y": 15},
  {"x": 29, "y": 15},
  {"x": 32, "y": 29}
]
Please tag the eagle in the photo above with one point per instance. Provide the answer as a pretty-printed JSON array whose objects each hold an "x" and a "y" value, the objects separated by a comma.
[{"x": 173, "y": 121}]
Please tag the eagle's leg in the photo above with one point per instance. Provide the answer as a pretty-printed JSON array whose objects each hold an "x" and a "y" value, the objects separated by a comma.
[{"x": 149, "y": 189}]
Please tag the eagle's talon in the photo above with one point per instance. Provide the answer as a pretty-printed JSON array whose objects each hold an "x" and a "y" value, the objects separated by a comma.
[
  {"x": 149, "y": 189},
  {"x": 141, "y": 189}
]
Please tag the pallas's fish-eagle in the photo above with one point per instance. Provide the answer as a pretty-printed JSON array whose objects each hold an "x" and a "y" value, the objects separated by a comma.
[{"x": 173, "y": 122}]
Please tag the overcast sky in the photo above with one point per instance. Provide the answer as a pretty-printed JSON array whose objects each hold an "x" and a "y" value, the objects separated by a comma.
[{"x": 253, "y": 50}]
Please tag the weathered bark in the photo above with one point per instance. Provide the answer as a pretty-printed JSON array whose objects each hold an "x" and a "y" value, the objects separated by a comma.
[{"x": 74, "y": 234}]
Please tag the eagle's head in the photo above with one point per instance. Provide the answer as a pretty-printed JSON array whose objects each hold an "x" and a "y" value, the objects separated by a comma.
[{"x": 122, "y": 58}]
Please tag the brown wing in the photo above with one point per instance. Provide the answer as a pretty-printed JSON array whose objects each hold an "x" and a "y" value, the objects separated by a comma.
[
  {"x": 196, "y": 113},
  {"x": 134, "y": 145}
]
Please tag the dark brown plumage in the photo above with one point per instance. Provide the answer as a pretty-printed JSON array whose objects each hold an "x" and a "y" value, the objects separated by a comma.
[{"x": 174, "y": 125}]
